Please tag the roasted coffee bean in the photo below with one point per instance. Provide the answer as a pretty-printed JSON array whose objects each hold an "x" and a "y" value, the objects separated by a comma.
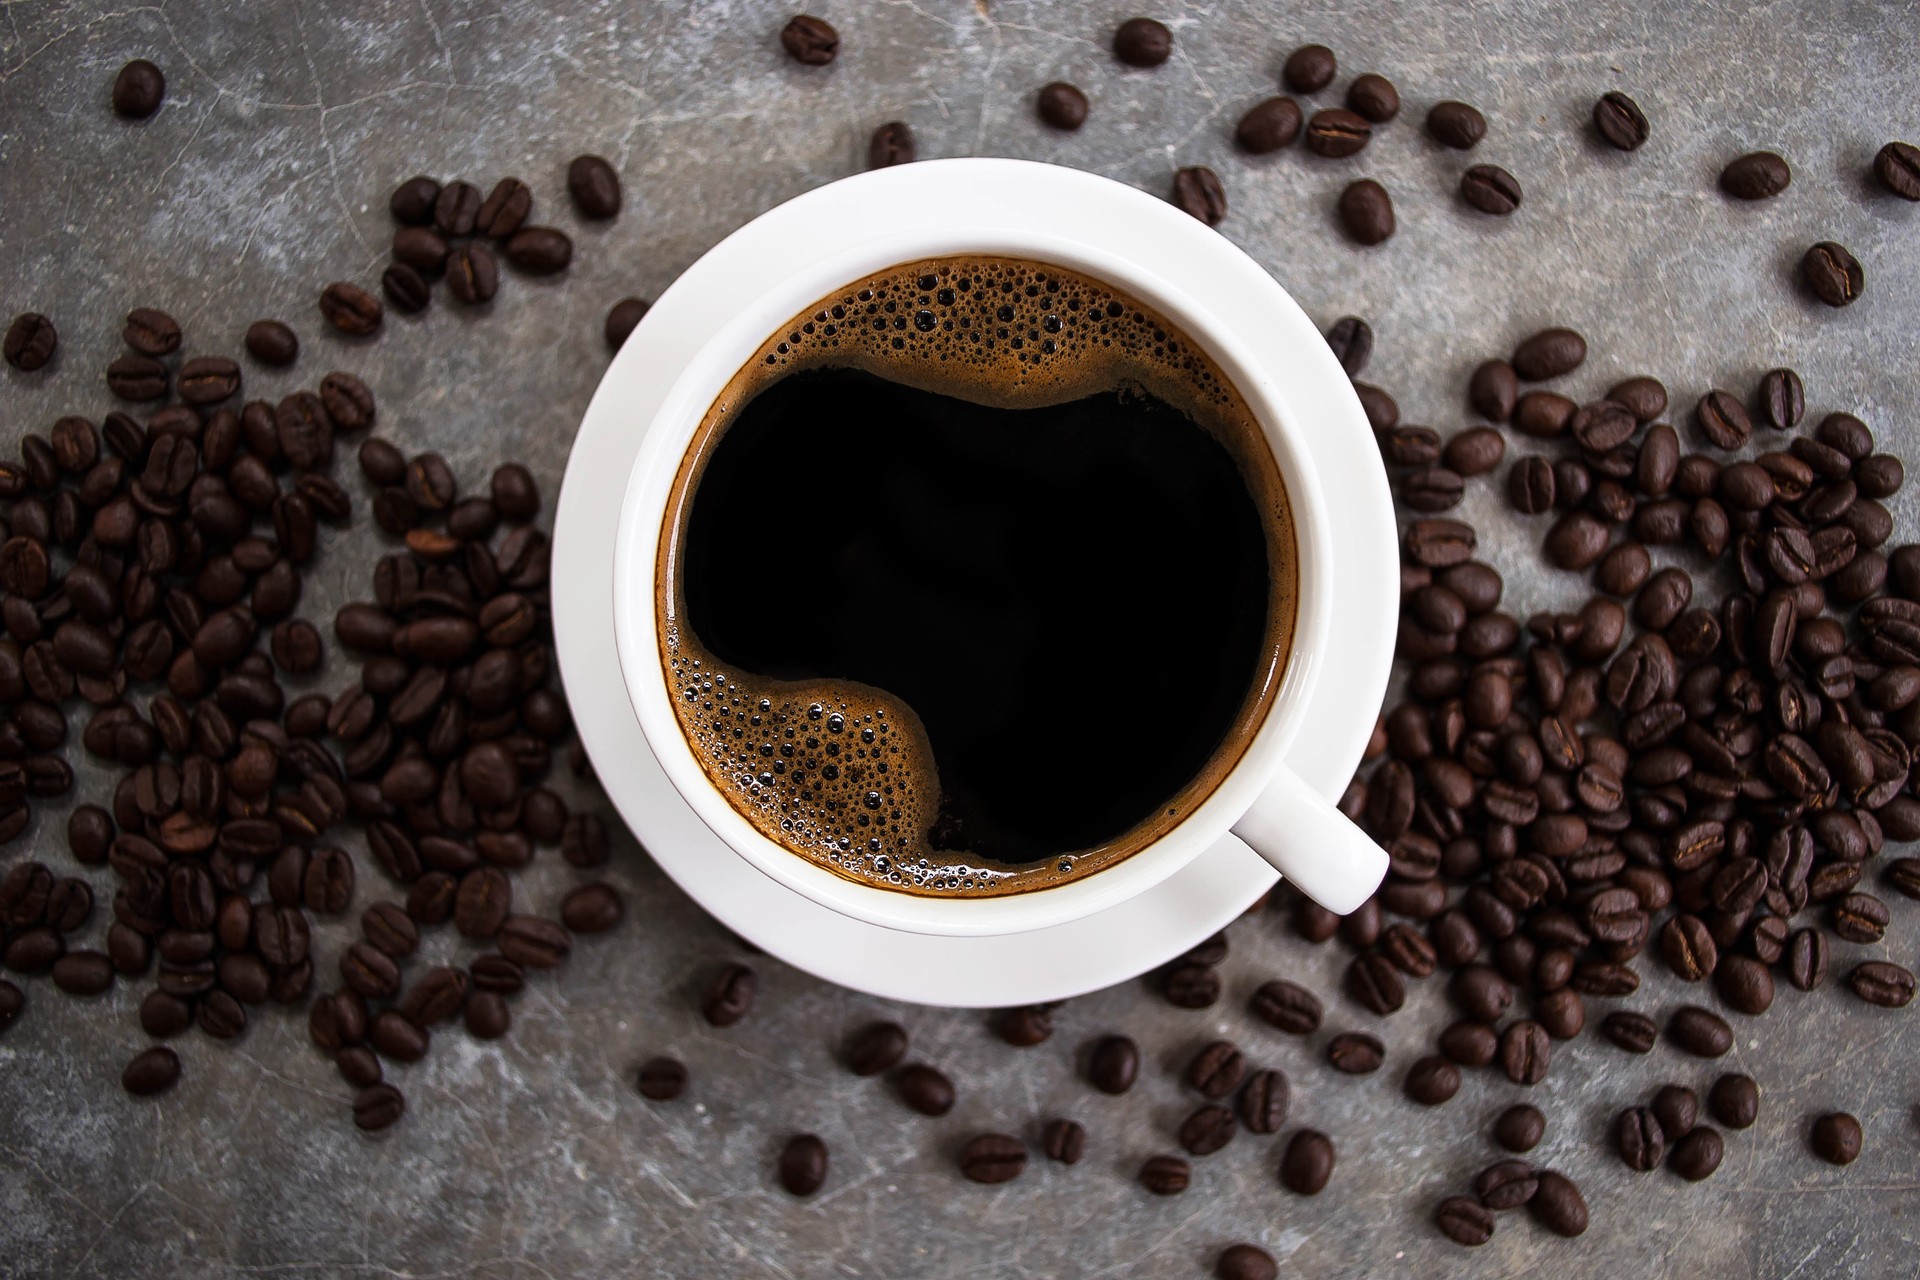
[
  {"x": 370, "y": 972},
  {"x": 412, "y": 202},
  {"x": 456, "y": 209},
  {"x": 891, "y": 144},
  {"x": 438, "y": 995},
  {"x": 1525, "y": 1052},
  {"x": 810, "y": 41},
  {"x": 1114, "y": 1064},
  {"x": 1351, "y": 341},
  {"x": 1245, "y": 1262},
  {"x": 272, "y": 343},
  {"x": 1558, "y": 1205},
  {"x": 378, "y": 1107},
  {"x": 1481, "y": 993},
  {"x": 1432, "y": 1080},
  {"x": 1309, "y": 69},
  {"x": 1217, "y": 1069},
  {"x": 1206, "y": 1130},
  {"x": 1861, "y": 918},
  {"x": 1374, "y": 98},
  {"x": 1356, "y": 1053},
  {"x": 1142, "y": 42},
  {"x": 1267, "y": 127},
  {"x": 1634, "y": 1032},
  {"x": 622, "y": 319},
  {"x": 1456, "y": 125},
  {"x": 359, "y": 1067},
  {"x": 207, "y": 380},
  {"x": 1264, "y": 1101},
  {"x": 406, "y": 288},
  {"x": 593, "y": 186},
  {"x": 1337, "y": 132},
  {"x": 1493, "y": 389},
  {"x": 483, "y": 902},
  {"x": 30, "y": 342},
  {"x": 1025, "y": 1027},
  {"x": 138, "y": 90},
  {"x": 662, "y": 1079},
  {"x": 1165, "y": 1175},
  {"x": 151, "y": 332},
  {"x": 83, "y": 973},
  {"x": 1620, "y": 122},
  {"x": 1833, "y": 274},
  {"x": 1490, "y": 189},
  {"x": 1897, "y": 165},
  {"x": 803, "y": 1165},
  {"x": 1197, "y": 191},
  {"x": 505, "y": 209},
  {"x": 728, "y": 997},
  {"x": 150, "y": 1072},
  {"x": 992, "y": 1158},
  {"x": 925, "y": 1089},
  {"x": 1308, "y": 1162},
  {"x": 1464, "y": 1220},
  {"x": 1639, "y": 1139},
  {"x": 876, "y": 1048},
  {"x": 592, "y": 908},
  {"x": 1882, "y": 983},
  {"x": 1701, "y": 1032},
  {"x": 472, "y": 275},
  {"x": 1758, "y": 175},
  {"x": 1735, "y": 1101},
  {"x": 1375, "y": 984},
  {"x": 350, "y": 309},
  {"x": 1520, "y": 1127},
  {"x": 1287, "y": 1006},
  {"x": 1365, "y": 209},
  {"x": 1697, "y": 1155},
  {"x": 1064, "y": 1141},
  {"x": 1745, "y": 984},
  {"x": 539, "y": 251},
  {"x": 1836, "y": 1138},
  {"x": 138, "y": 378},
  {"x": 1723, "y": 420}
]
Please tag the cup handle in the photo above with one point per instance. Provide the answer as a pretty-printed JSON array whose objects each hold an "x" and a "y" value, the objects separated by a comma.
[{"x": 1313, "y": 844}]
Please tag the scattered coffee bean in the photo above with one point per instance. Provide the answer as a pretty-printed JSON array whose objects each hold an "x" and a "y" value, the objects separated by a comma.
[
  {"x": 350, "y": 309},
  {"x": 1758, "y": 175},
  {"x": 378, "y": 1107},
  {"x": 876, "y": 1048},
  {"x": 1217, "y": 1069},
  {"x": 1165, "y": 1175},
  {"x": 1268, "y": 126},
  {"x": 1837, "y": 1138},
  {"x": 1677, "y": 1110},
  {"x": 1639, "y": 1139},
  {"x": 662, "y": 1079},
  {"x": 1432, "y": 1080},
  {"x": 1366, "y": 212},
  {"x": 1490, "y": 189},
  {"x": 539, "y": 251},
  {"x": 925, "y": 1089},
  {"x": 1062, "y": 105},
  {"x": 1356, "y": 1053},
  {"x": 1882, "y": 983},
  {"x": 803, "y": 1165},
  {"x": 1456, "y": 125},
  {"x": 1245, "y": 1262},
  {"x": 473, "y": 276},
  {"x": 138, "y": 90},
  {"x": 151, "y": 1071},
  {"x": 1064, "y": 1141},
  {"x": 1619, "y": 121},
  {"x": 810, "y": 41},
  {"x": 1287, "y": 1006},
  {"x": 1197, "y": 191},
  {"x": 622, "y": 319},
  {"x": 1206, "y": 1130},
  {"x": 1696, "y": 1156},
  {"x": 1142, "y": 42},
  {"x": 1309, "y": 69},
  {"x": 272, "y": 343},
  {"x": 1308, "y": 1162},
  {"x": 993, "y": 1158},
  {"x": 1833, "y": 274},
  {"x": 507, "y": 207},
  {"x": 594, "y": 188},
  {"x": 412, "y": 202},
  {"x": 1735, "y": 1101},
  {"x": 30, "y": 342},
  {"x": 729, "y": 996},
  {"x": 1701, "y": 1032},
  {"x": 1520, "y": 1127},
  {"x": 1464, "y": 1220},
  {"x": 1373, "y": 97},
  {"x": 1897, "y": 165},
  {"x": 1337, "y": 133},
  {"x": 1114, "y": 1065}
]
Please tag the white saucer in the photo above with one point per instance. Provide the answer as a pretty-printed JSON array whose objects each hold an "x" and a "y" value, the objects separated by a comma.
[{"x": 1045, "y": 964}]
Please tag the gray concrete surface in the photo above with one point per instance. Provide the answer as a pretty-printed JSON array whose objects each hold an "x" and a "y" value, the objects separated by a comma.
[{"x": 265, "y": 175}]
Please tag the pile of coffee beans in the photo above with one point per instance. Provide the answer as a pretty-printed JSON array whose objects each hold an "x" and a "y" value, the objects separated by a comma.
[{"x": 444, "y": 232}]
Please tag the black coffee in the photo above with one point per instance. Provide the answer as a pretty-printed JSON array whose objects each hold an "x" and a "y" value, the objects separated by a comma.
[{"x": 978, "y": 577}]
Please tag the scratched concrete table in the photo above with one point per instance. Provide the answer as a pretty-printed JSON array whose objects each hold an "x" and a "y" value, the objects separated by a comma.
[{"x": 266, "y": 174}]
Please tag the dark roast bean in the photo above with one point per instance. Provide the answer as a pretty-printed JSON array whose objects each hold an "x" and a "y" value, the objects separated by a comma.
[
  {"x": 803, "y": 1165},
  {"x": 1639, "y": 1139},
  {"x": 728, "y": 997},
  {"x": 1337, "y": 132},
  {"x": 591, "y": 908},
  {"x": 1735, "y": 1101},
  {"x": 406, "y": 288},
  {"x": 1520, "y": 1127},
  {"x": 1701, "y": 1032},
  {"x": 1025, "y": 1027},
  {"x": 412, "y": 202},
  {"x": 30, "y": 342},
  {"x": 272, "y": 343},
  {"x": 1432, "y": 1080},
  {"x": 539, "y": 251},
  {"x": 1267, "y": 127},
  {"x": 1620, "y": 121},
  {"x": 1142, "y": 42},
  {"x": 378, "y": 1107},
  {"x": 622, "y": 319},
  {"x": 1245, "y": 1262},
  {"x": 1634, "y": 1032},
  {"x": 1365, "y": 209},
  {"x": 892, "y": 144},
  {"x": 992, "y": 1158},
  {"x": 1309, "y": 69},
  {"x": 1836, "y": 1138},
  {"x": 662, "y": 1079},
  {"x": 925, "y": 1089},
  {"x": 1308, "y": 1162},
  {"x": 350, "y": 309},
  {"x": 138, "y": 90},
  {"x": 1882, "y": 983},
  {"x": 1464, "y": 1220},
  {"x": 1490, "y": 189},
  {"x": 1897, "y": 165},
  {"x": 472, "y": 275},
  {"x": 152, "y": 1071},
  {"x": 1114, "y": 1065},
  {"x": 1217, "y": 1069},
  {"x": 1356, "y": 1053},
  {"x": 1264, "y": 1101},
  {"x": 810, "y": 41},
  {"x": 1165, "y": 1175},
  {"x": 1833, "y": 274},
  {"x": 1197, "y": 191},
  {"x": 594, "y": 188},
  {"x": 1206, "y": 1130},
  {"x": 1287, "y": 1006},
  {"x": 1757, "y": 175},
  {"x": 1696, "y": 1156},
  {"x": 1064, "y": 1141},
  {"x": 505, "y": 209},
  {"x": 876, "y": 1048}
]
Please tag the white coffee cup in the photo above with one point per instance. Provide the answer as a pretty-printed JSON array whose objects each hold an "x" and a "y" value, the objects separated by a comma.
[{"x": 1006, "y": 203}]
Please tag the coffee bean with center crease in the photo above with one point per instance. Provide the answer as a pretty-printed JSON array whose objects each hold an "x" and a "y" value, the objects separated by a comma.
[
  {"x": 876, "y": 1048},
  {"x": 1837, "y": 1138},
  {"x": 992, "y": 1158},
  {"x": 472, "y": 275},
  {"x": 1025, "y": 1027},
  {"x": 539, "y": 251},
  {"x": 1064, "y": 1141},
  {"x": 1464, "y": 1220},
  {"x": 505, "y": 209},
  {"x": 1639, "y": 1138},
  {"x": 1165, "y": 1175},
  {"x": 1366, "y": 212},
  {"x": 1375, "y": 984},
  {"x": 1897, "y": 165},
  {"x": 437, "y": 996},
  {"x": 1307, "y": 1163},
  {"x": 1206, "y": 1130},
  {"x": 1264, "y": 1101},
  {"x": 1549, "y": 353},
  {"x": 1883, "y": 983},
  {"x": 1217, "y": 1069},
  {"x": 378, "y": 1107},
  {"x": 925, "y": 1089},
  {"x": 728, "y": 997},
  {"x": 1490, "y": 189},
  {"x": 1525, "y": 1052},
  {"x": 1620, "y": 121},
  {"x": 1287, "y": 1006},
  {"x": 1758, "y": 175},
  {"x": 810, "y": 41},
  {"x": 1634, "y": 1032},
  {"x": 30, "y": 341},
  {"x": 137, "y": 378},
  {"x": 1268, "y": 126},
  {"x": 1337, "y": 133},
  {"x": 1192, "y": 986},
  {"x": 1142, "y": 42},
  {"x": 207, "y": 380},
  {"x": 138, "y": 90},
  {"x": 1309, "y": 69},
  {"x": 1833, "y": 274},
  {"x": 151, "y": 332},
  {"x": 1245, "y": 1262},
  {"x": 1351, "y": 341},
  {"x": 1197, "y": 191},
  {"x": 405, "y": 288},
  {"x": 1114, "y": 1064},
  {"x": 1356, "y": 1053},
  {"x": 350, "y": 309}
]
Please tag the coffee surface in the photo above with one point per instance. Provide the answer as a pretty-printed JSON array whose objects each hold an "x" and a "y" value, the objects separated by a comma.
[{"x": 978, "y": 577}]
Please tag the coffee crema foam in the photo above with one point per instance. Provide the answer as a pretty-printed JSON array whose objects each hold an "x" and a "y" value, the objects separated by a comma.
[{"x": 839, "y": 772}]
